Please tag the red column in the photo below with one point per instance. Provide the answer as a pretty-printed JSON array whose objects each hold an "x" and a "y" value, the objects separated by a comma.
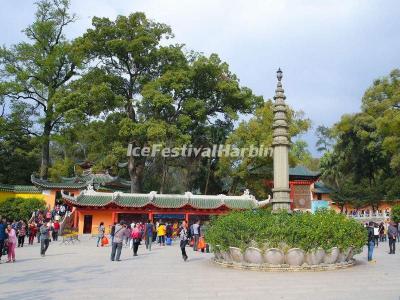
[
  {"x": 76, "y": 218},
  {"x": 151, "y": 217},
  {"x": 187, "y": 217},
  {"x": 113, "y": 217}
]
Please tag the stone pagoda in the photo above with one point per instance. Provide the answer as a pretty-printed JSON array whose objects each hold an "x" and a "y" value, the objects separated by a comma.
[{"x": 281, "y": 145}]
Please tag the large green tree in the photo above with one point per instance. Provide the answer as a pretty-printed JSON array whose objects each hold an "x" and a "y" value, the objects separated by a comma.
[
  {"x": 364, "y": 157},
  {"x": 168, "y": 97},
  {"x": 44, "y": 73},
  {"x": 19, "y": 149}
]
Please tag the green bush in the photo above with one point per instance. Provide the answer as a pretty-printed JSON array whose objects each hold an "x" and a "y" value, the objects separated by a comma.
[
  {"x": 20, "y": 208},
  {"x": 395, "y": 213},
  {"x": 263, "y": 229}
]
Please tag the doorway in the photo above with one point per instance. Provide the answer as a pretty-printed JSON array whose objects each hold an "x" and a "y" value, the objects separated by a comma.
[{"x": 87, "y": 224}]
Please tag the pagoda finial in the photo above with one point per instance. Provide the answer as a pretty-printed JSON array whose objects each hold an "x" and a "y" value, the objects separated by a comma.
[{"x": 279, "y": 74}]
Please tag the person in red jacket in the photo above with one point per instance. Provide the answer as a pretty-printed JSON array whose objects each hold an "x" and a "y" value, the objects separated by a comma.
[
  {"x": 32, "y": 232},
  {"x": 56, "y": 228}
]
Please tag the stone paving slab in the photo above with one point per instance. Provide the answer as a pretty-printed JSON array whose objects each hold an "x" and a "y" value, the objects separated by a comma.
[{"x": 83, "y": 271}]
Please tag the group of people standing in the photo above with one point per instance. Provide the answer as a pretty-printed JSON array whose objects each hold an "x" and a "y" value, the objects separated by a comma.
[
  {"x": 378, "y": 233},
  {"x": 133, "y": 234},
  {"x": 43, "y": 225}
]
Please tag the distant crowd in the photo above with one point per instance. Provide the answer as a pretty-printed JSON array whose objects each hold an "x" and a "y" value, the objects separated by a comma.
[
  {"x": 43, "y": 226},
  {"x": 381, "y": 233},
  {"x": 159, "y": 232}
]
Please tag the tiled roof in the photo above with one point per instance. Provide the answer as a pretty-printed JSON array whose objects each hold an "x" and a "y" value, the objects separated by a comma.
[
  {"x": 301, "y": 171},
  {"x": 19, "y": 188},
  {"x": 321, "y": 188},
  {"x": 92, "y": 198},
  {"x": 99, "y": 181},
  {"x": 69, "y": 184}
]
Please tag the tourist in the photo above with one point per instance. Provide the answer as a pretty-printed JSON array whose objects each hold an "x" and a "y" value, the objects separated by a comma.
[
  {"x": 398, "y": 232},
  {"x": 32, "y": 231},
  {"x": 381, "y": 232},
  {"x": 112, "y": 232},
  {"x": 44, "y": 238},
  {"x": 196, "y": 234},
  {"x": 175, "y": 228},
  {"x": 11, "y": 243},
  {"x": 371, "y": 242},
  {"x": 161, "y": 231},
  {"x": 48, "y": 215},
  {"x": 3, "y": 236},
  {"x": 148, "y": 234},
  {"x": 119, "y": 236},
  {"x": 100, "y": 235},
  {"x": 62, "y": 210},
  {"x": 56, "y": 229},
  {"x": 156, "y": 231},
  {"x": 136, "y": 237},
  {"x": 168, "y": 235},
  {"x": 127, "y": 238},
  {"x": 21, "y": 233},
  {"x": 392, "y": 235},
  {"x": 39, "y": 224},
  {"x": 376, "y": 235},
  {"x": 184, "y": 238}
]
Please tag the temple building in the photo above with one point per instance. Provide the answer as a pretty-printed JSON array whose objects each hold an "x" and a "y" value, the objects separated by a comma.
[
  {"x": 95, "y": 198},
  {"x": 92, "y": 207}
]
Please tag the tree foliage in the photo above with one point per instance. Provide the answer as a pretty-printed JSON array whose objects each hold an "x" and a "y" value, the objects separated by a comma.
[
  {"x": 43, "y": 73},
  {"x": 20, "y": 208},
  {"x": 362, "y": 165}
]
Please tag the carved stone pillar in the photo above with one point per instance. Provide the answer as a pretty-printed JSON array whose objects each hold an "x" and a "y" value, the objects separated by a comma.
[{"x": 281, "y": 145}]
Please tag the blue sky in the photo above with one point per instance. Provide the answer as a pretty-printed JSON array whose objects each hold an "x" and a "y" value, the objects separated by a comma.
[{"x": 330, "y": 51}]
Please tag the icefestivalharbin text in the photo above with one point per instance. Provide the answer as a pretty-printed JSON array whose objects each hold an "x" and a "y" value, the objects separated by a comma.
[{"x": 190, "y": 151}]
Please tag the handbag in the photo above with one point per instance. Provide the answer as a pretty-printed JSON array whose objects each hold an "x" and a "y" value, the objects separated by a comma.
[
  {"x": 104, "y": 240},
  {"x": 202, "y": 244}
]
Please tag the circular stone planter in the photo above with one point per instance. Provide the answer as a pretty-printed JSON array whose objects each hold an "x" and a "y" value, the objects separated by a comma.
[
  {"x": 295, "y": 260},
  {"x": 218, "y": 255},
  {"x": 236, "y": 254},
  {"x": 345, "y": 255},
  {"x": 295, "y": 257},
  {"x": 274, "y": 256},
  {"x": 253, "y": 255},
  {"x": 315, "y": 257},
  {"x": 226, "y": 257},
  {"x": 331, "y": 256},
  {"x": 350, "y": 254}
]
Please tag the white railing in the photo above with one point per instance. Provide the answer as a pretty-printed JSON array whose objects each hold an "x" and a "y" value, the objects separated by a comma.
[{"x": 360, "y": 215}]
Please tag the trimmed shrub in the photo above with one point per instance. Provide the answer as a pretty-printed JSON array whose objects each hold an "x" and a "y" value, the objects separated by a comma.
[
  {"x": 20, "y": 208},
  {"x": 395, "y": 213},
  {"x": 263, "y": 229}
]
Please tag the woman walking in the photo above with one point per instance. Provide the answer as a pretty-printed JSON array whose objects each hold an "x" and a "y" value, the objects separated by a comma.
[
  {"x": 32, "y": 232},
  {"x": 136, "y": 237},
  {"x": 100, "y": 236},
  {"x": 184, "y": 237},
  {"x": 11, "y": 243}
]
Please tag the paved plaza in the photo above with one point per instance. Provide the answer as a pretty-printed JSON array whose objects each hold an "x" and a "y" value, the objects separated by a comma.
[{"x": 83, "y": 271}]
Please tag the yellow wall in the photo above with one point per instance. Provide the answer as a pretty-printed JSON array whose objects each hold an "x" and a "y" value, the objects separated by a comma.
[
  {"x": 7, "y": 195},
  {"x": 97, "y": 217}
]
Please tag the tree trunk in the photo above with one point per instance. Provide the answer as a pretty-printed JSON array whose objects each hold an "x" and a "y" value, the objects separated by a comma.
[
  {"x": 208, "y": 176},
  {"x": 136, "y": 169},
  {"x": 164, "y": 175},
  {"x": 44, "y": 167}
]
